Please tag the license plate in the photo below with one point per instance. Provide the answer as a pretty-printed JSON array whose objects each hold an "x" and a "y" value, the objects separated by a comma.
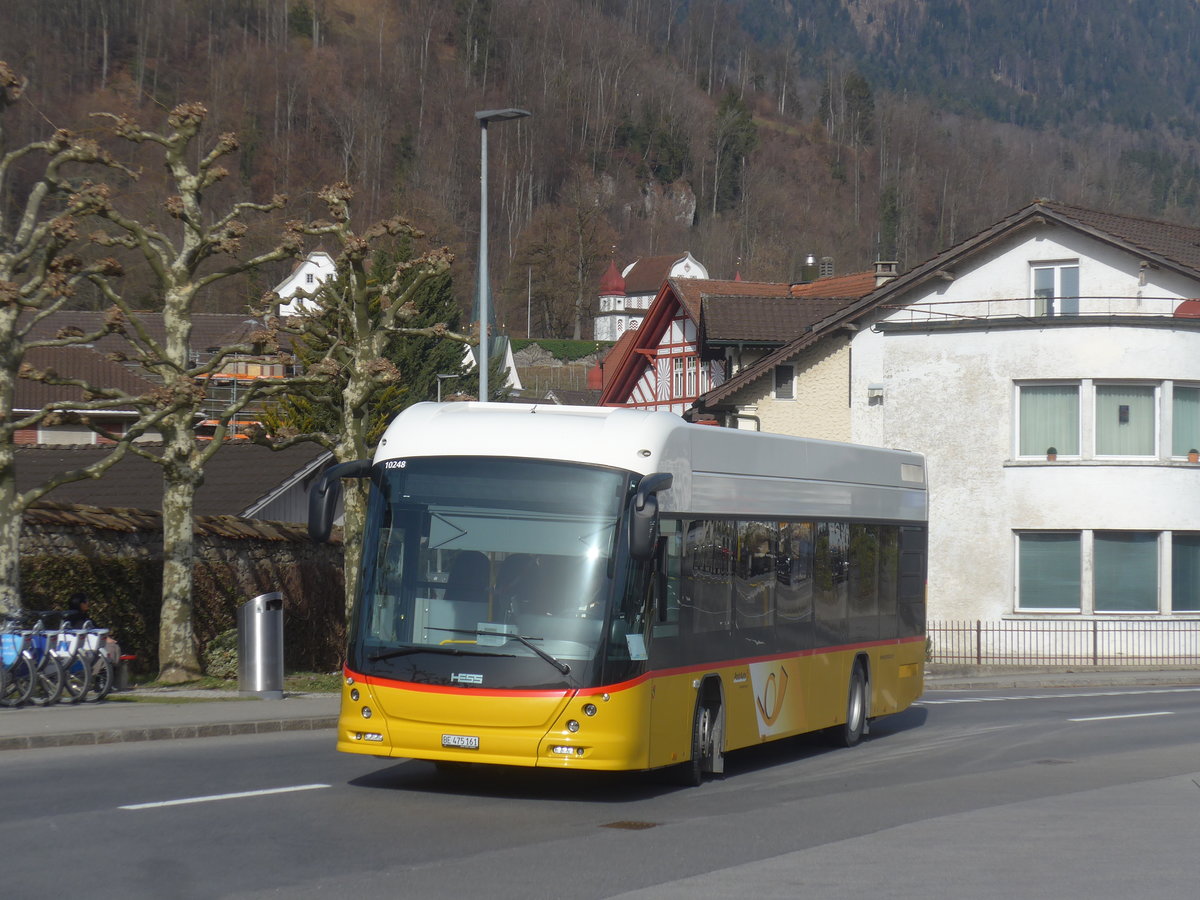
[{"x": 461, "y": 741}]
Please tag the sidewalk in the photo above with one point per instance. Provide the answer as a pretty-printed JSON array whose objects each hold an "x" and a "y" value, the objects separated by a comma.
[
  {"x": 164, "y": 715},
  {"x": 167, "y": 714}
]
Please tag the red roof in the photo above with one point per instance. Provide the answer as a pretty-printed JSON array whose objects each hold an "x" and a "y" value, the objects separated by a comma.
[
  {"x": 858, "y": 284},
  {"x": 648, "y": 273}
]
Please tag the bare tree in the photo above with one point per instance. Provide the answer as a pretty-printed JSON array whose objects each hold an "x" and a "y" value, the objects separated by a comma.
[
  {"x": 352, "y": 318},
  {"x": 182, "y": 263},
  {"x": 39, "y": 271}
]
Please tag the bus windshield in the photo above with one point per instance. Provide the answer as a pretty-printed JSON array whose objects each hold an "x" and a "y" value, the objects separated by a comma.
[{"x": 487, "y": 572}]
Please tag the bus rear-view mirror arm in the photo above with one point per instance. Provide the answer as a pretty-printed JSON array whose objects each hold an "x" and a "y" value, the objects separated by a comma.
[
  {"x": 323, "y": 496},
  {"x": 643, "y": 517}
]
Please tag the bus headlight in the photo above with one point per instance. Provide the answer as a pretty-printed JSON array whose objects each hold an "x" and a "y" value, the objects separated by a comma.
[
  {"x": 589, "y": 709},
  {"x": 366, "y": 712},
  {"x": 354, "y": 694},
  {"x": 572, "y": 725}
]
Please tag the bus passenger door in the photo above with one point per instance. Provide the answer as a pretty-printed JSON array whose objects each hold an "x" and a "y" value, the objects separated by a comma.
[{"x": 672, "y": 697}]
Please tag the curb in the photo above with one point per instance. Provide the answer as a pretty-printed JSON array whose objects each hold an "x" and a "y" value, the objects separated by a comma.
[{"x": 173, "y": 732}]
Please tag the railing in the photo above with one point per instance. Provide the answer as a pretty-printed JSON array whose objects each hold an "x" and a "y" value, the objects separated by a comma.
[
  {"x": 965, "y": 311},
  {"x": 1066, "y": 642}
]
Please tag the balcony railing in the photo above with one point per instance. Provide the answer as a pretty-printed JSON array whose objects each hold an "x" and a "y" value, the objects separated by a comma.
[
  {"x": 1066, "y": 642},
  {"x": 966, "y": 311}
]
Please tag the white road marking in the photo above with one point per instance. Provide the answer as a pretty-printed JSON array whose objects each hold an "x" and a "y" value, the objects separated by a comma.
[
  {"x": 186, "y": 800},
  {"x": 1127, "y": 716},
  {"x": 1073, "y": 696}
]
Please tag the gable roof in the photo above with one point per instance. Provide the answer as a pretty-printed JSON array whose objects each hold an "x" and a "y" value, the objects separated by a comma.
[
  {"x": 1174, "y": 247},
  {"x": 209, "y": 330},
  {"x": 647, "y": 274},
  {"x": 82, "y": 363},
  {"x": 763, "y": 320},
  {"x": 749, "y": 311},
  {"x": 240, "y": 477}
]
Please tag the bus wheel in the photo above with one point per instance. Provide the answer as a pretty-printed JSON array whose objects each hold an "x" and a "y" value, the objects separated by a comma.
[
  {"x": 691, "y": 773},
  {"x": 856, "y": 711},
  {"x": 708, "y": 741}
]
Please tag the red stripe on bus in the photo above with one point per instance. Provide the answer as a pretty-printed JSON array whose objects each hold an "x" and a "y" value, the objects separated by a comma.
[{"x": 622, "y": 685}]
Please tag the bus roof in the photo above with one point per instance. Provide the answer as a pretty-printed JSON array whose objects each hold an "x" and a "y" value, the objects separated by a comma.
[{"x": 717, "y": 471}]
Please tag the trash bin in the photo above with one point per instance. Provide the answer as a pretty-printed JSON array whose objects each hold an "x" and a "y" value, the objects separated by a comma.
[{"x": 260, "y": 646}]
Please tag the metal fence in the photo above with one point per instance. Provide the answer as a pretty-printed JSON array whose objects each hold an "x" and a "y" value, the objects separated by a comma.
[{"x": 1067, "y": 642}]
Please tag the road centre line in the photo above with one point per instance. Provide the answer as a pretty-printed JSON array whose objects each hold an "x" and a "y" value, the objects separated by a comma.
[
  {"x": 1073, "y": 696},
  {"x": 1126, "y": 716},
  {"x": 261, "y": 793}
]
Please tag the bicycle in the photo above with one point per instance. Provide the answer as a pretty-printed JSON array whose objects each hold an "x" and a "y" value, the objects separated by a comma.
[
  {"x": 67, "y": 644},
  {"x": 99, "y": 663},
  {"x": 17, "y": 678},
  {"x": 48, "y": 676}
]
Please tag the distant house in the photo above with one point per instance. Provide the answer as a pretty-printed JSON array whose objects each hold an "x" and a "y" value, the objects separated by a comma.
[
  {"x": 210, "y": 332},
  {"x": 1049, "y": 369},
  {"x": 306, "y": 276},
  {"x": 85, "y": 364},
  {"x": 242, "y": 479},
  {"x": 625, "y": 296},
  {"x": 698, "y": 333}
]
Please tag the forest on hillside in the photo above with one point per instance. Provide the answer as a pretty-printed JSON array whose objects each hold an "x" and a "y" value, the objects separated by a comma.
[{"x": 750, "y": 132}]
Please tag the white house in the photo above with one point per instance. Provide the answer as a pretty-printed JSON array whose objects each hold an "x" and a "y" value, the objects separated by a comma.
[
  {"x": 625, "y": 297},
  {"x": 306, "y": 276},
  {"x": 1049, "y": 369}
]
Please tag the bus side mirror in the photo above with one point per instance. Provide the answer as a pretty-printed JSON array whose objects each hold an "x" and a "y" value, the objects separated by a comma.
[
  {"x": 323, "y": 496},
  {"x": 643, "y": 517}
]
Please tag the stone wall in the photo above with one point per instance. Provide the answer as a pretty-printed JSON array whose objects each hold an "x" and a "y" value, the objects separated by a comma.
[{"x": 115, "y": 555}]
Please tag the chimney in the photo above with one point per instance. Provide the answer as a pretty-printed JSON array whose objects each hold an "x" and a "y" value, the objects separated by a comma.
[
  {"x": 885, "y": 271},
  {"x": 808, "y": 271},
  {"x": 826, "y": 267}
]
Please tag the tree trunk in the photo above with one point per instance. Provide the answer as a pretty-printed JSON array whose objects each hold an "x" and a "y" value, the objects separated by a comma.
[
  {"x": 178, "y": 657},
  {"x": 354, "y": 505},
  {"x": 10, "y": 536}
]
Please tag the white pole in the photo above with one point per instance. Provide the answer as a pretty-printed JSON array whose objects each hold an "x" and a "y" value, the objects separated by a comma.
[{"x": 483, "y": 262}]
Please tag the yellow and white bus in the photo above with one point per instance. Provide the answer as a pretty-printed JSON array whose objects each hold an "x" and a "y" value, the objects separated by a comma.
[{"x": 617, "y": 589}]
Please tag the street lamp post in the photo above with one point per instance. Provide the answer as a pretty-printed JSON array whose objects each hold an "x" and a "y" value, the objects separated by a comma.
[{"x": 485, "y": 116}]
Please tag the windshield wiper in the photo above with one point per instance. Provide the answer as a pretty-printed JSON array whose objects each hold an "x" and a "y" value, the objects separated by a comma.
[
  {"x": 525, "y": 641},
  {"x": 437, "y": 648}
]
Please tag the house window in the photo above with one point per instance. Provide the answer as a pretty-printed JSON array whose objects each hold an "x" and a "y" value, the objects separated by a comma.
[
  {"x": 1048, "y": 571},
  {"x": 309, "y": 278},
  {"x": 1049, "y": 417},
  {"x": 1126, "y": 571},
  {"x": 1185, "y": 573},
  {"x": 691, "y": 376},
  {"x": 677, "y": 380},
  {"x": 785, "y": 377},
  {"x": 1126, "y": 423},
  {"x": 1055, "y": 288},
  {"x": 1185, "y": 416}
]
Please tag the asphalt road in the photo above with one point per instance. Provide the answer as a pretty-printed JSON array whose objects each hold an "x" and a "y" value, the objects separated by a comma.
[{"x": 1046, "y": 793}]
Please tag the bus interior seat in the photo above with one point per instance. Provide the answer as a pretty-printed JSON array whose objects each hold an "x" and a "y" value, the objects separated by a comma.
[
  {"x": 468, "y": 579},
  {"x": 514, "y": 579}
]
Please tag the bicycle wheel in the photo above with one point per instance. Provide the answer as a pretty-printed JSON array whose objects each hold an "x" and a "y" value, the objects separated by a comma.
[
  {"x": 102, "y": 675},
  {"x": 47, "y": 680},
  {"x": 18, "y": 683},
  {"x": 77, "y": 678}
]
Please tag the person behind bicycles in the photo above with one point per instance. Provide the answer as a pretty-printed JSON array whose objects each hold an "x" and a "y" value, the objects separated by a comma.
[{"x": 78, "y": 616}]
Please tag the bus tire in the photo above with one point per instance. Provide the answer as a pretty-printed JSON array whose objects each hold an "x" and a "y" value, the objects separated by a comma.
[
  {"x": 708, "y": 737},
  {"x": 852, "y": 731},
  {"x": 691, "y": 773}
]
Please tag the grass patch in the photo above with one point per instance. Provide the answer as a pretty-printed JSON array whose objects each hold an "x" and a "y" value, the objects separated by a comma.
[{"x": 293, "y": 683}]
